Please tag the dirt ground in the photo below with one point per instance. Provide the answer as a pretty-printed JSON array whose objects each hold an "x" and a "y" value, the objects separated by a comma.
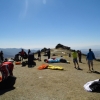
[{"x": 67, "y": 84}]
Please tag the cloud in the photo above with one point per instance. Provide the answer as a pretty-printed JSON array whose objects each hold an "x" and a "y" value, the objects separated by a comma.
[
  {"x": 44, "y": 1},
  {"x": 23, "y": 13},
  {"x": 27, "y": 3}
]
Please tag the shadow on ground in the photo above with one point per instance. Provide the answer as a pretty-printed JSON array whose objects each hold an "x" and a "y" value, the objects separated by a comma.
[
  {"x": 83, "y": 63},
  {"x": 96, "y": 72},
  {"x": 78, "y": 68},
  {"x": 2, "y": 91},
  {"x": 96, "y": 91},
  {"x": 32, "y": 66}
]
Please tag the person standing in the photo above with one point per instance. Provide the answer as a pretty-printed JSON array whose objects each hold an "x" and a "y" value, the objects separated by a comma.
[
  {"x": 30, "y": 59},
  {"x": 48, "y": 53},
  {"x": 90, "y": 57},
  {"x": 75, "y": 61},
  {"x": 29, "y": 51},
  {"x": 79, "y": 56},
  {"x": 39, "y": 55},
  {"x": 1, "y": 56}
]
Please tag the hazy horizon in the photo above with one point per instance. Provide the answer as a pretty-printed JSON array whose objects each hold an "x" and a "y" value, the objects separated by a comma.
[
  {"x": 10, "y": 52},
  {"x": 81, "y": 48}
]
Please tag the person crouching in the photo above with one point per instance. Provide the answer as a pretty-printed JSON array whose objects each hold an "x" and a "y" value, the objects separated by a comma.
[
  {"x": 6, "y": 69},
  {"x": 8, "y": 80}
]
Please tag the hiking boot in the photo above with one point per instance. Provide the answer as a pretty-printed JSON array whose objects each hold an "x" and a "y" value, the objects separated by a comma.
[
  {"x": 92, "y": 69},
  {"x": 74, "y": 67}
]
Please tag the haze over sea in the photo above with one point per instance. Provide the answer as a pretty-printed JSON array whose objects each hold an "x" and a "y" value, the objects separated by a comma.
[{"x": 96, "y": 52}]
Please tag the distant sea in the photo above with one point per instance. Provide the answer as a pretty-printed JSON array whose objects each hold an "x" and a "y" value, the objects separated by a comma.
[{"x": 96, "y": 52}]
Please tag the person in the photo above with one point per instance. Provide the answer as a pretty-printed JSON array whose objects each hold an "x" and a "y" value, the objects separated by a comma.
[
  {"x": 30, "y": 59},
  {"x": 75, "y": 61},
  {"x": 29, "y": 51},
  {"x": 6, "y": 69},
  {"x": 90, "y": 57},
  {"x": 5, "y": 60},
  {"x": 48, "y": 53},
  {"x": 39, "y": 55},
  {"x": 1, "y": 56},
  {"x": 25, "y": 55},
  {"x": 17, "y": 57},
  {"x": 22, "y": 54},
  {"x": 79, "y": 56}
]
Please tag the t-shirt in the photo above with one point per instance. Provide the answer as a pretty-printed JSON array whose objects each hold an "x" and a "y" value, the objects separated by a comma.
[
  {"x": 90, "y": 56},
  {"x": 74, "y": 54}
]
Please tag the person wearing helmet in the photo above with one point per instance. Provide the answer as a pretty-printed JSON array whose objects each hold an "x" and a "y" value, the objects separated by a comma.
[{"x": 6, "y": 69}]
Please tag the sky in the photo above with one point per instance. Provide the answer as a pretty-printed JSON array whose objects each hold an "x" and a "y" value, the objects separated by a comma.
[{"x": 45, "y": 23}]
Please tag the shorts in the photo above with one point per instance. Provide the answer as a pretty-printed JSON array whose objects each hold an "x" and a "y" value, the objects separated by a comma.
[
  {"x": 90, "y": 62},
  {"x": 75, "y": 60}
]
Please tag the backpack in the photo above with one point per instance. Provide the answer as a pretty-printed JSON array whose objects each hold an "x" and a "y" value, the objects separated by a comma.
[
  {"x": 23, "y": 63},
  {"x": 63, "y": 60}
]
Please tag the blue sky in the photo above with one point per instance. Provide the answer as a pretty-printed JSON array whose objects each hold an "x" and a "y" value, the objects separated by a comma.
[{"x": 45, "y": 23}]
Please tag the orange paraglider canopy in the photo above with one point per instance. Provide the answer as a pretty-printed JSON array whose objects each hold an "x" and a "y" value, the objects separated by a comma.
[{"x": 43, "y": 66}]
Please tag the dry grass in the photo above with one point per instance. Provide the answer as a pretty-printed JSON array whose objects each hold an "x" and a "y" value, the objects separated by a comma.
[{"x": 34, "y": 84}]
